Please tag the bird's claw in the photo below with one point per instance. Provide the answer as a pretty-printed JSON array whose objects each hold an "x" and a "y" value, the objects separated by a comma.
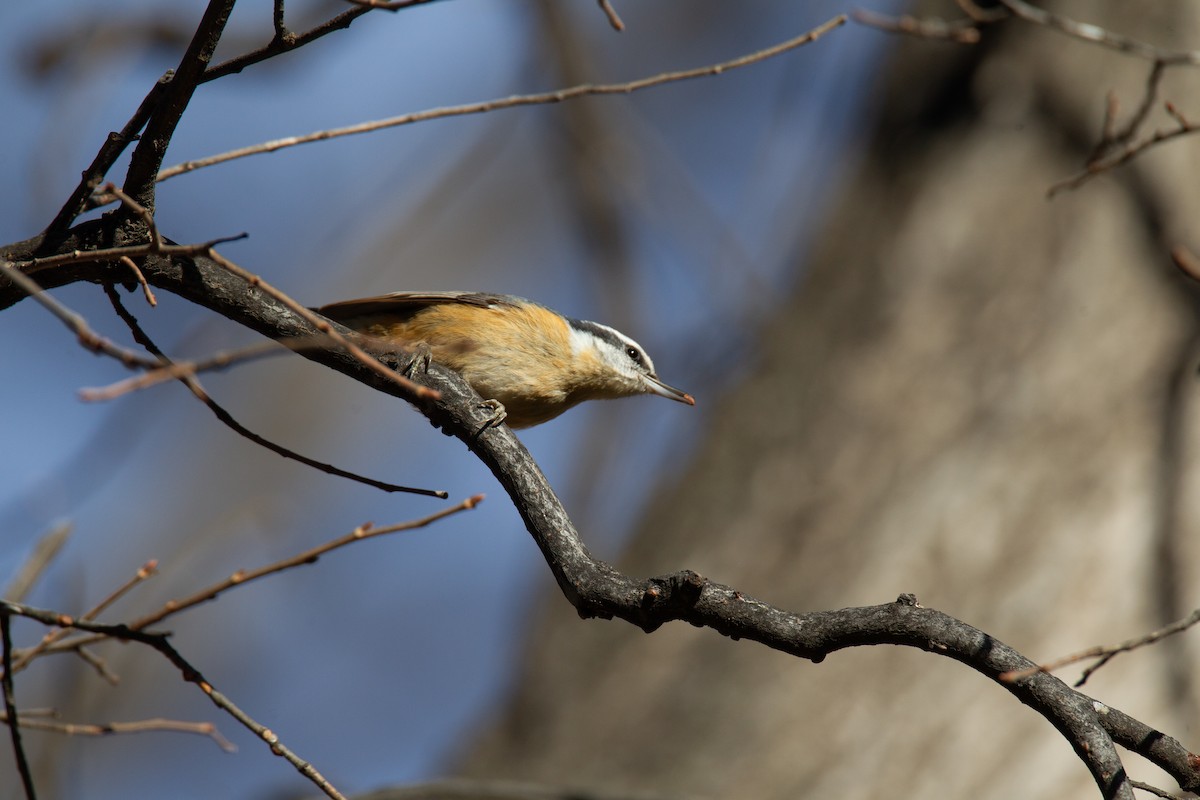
[
  {"x": 421, "y": 354},
  {"x": 498, "y": 415}
]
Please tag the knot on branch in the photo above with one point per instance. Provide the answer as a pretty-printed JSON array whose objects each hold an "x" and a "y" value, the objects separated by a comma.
[{"x": 669, "y": 597}]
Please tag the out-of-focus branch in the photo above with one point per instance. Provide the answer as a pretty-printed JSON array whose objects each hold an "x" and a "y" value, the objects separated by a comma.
[{"x": 43, "y": 553}]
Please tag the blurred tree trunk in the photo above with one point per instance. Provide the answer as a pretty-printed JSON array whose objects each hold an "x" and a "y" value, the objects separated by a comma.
[{"x": 977, "y": 395}]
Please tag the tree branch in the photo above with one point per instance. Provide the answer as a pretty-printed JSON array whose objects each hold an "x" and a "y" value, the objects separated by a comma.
[{"x": 148, "y": 156}]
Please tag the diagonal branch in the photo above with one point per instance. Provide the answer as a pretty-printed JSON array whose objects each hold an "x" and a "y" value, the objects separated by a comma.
[{"x": 148, "y": 156}]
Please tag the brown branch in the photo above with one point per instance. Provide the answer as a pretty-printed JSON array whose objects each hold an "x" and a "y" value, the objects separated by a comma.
[
  {"x": 960, "y": 31},
  {"x": 1126, "y": 154},
  {"x": 515, "y": 101},
  {"x": 390, "y": 5},
  {"x": 175, "y": 370},
  {"x": 1106, "y": 653},
  {"x": 147, "y": 157},
  {"x": 283, "y": 42},
  {"x": 1154, "y": 790},
  {"x": 310, "y": 556},
  {"x": 206, "y": 729},
  {"x": 614, "y": 19},
  {"x": 141, "y": 279}
]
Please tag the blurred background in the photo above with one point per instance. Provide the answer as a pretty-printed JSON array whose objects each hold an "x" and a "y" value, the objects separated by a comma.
[{"x": 914, "y": 373}]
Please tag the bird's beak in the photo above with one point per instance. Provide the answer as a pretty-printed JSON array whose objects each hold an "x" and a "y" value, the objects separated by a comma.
[{"x": 656, "y": 386}]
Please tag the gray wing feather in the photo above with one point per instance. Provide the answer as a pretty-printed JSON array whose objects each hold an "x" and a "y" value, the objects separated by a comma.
[{"x": 406, "y": 303}]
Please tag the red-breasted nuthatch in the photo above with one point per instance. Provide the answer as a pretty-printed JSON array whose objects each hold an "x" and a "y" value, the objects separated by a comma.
[{"x": 523, "y": 357}]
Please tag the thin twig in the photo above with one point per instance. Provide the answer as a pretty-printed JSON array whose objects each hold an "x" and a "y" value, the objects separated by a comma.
[
  {"x": 614, "y": 19},
  {"x": 141, "y": 279},
  {"x": 174, "y": 370},
  {"x": 140, "y": 210},
  {"x": 10, "y": 705},
  {"x": 103, "y": 254},
  {"x": 1154, "y": 790},
  {"x": 1106, "y": 653},
  {"x": 310, "y": 556},
  {"x": 390, "y": 5},
  {"x": 206, "y": 729},
  {"x": 543, "y": 98},
  {"x": 1127, "y": 153},
  {"x": 960, "y": 31},
  {"x": 282, "y": 44}
]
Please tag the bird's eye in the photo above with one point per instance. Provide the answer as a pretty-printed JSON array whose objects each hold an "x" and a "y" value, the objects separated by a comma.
[{"x": 634, "y": 354}]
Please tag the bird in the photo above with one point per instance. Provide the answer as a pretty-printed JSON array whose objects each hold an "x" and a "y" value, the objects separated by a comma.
[{"x": 529, "y": 363}]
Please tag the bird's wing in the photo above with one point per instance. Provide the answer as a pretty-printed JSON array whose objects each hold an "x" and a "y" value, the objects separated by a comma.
[{"x": 408, "y": 303}]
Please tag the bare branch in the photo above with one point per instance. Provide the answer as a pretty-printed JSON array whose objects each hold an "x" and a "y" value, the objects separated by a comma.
[
  {"x": 614, "y": 19},
  {"x": 960, "y": 31},
  {"x": 390, "y": 5},
  {"x": 515, "y": 101},
  {"x": 147, "y": 157},
  {"x": 1106, "y": 653},
  {"x": 206, "y": 729},
  {"x": 1127, "y": 153},
  {"x": 175, "y": 370},
  {"x": 283, "y": 42}
]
